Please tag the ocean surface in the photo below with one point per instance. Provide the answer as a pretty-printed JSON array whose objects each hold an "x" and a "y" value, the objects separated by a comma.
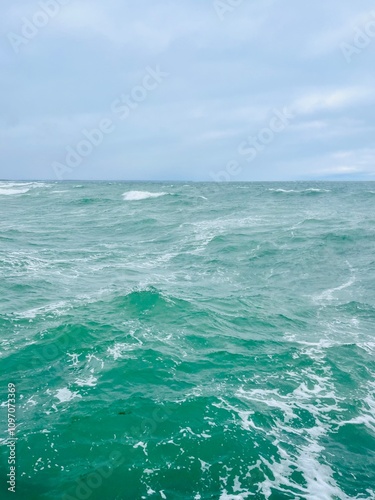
[{"x": 189, "y": 341}]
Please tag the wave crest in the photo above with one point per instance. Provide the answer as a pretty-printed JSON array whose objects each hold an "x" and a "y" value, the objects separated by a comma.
[
  {"x": 140, "y": 195},
  {"x": 11, "y": 188},
  {"x": 302, "y": 191}
]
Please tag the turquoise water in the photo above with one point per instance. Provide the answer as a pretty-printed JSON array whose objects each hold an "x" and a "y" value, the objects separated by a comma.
[{"x": 189, "y": 341}]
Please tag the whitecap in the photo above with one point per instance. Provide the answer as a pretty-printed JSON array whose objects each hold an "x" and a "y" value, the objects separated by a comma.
[
  {"x": 140, "y": 195},
  {"x": 14, "y": 188},
  {"x": 308, "y": 190},
  {"x": 315, "y": 190},
  {"x": 10, "y": 191},
  {"x": 283, "y": 190}
]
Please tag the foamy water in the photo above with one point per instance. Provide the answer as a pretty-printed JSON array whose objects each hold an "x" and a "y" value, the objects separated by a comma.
[
  {"x": 193, "y": 341},
  {"x": 140, "y": 195}
]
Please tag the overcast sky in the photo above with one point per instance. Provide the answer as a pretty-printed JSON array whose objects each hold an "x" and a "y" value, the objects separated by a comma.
[{"x": 187, "y": 89}]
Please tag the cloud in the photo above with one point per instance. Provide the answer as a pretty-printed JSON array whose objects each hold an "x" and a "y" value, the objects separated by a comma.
[
  {"x": 330, "y": 100},
  {"x": 226, "y": 78},
  {"x": 342, "y": 30}
]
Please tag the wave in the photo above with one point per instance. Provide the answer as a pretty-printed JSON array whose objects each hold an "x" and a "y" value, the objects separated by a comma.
[
  {"x": 9, "y": 192},
  {"x": 14, "y": 188},
  {"x": 140, "y": 195},
  {"x": 302, "y": 191}
]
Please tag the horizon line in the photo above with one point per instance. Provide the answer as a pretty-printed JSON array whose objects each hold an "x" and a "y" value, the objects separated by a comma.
[{"x": 185, "y": 180}]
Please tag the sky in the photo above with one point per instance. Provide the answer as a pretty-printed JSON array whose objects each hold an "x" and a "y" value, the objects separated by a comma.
[{"x": 201, "y": 90}]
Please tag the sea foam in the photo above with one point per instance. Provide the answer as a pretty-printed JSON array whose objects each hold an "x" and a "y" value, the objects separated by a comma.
[{"x": 140, "y": 195}]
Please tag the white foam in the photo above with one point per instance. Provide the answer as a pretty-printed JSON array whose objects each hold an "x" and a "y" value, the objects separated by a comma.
[
  {"x": 8, "y": 192},
  {"x": 328, "y": 294},
  {"x": 14, "y": 188},
  {"x": 188, "y": 430},
  {"x": 75, "y": 358},
  {"x": 271, "y": 398},
  {"x": 140, "y": 195},
  {"x": 309, "y": 190},
  {"x": 320, "y": 484},
  {"x": 150, "y": 471},
  {"x": 366, "y": 417},
  {"x": 91, "y": 381},
  {"x": 57, "y": 309},
  {"x": 316, "y": 395},
  {"x": 97, "y": 363},
  {"x": 283, "y": 190},
  {"x": 316, "y": 190},
  {"x": 226, "y": 496},
  {"x": 369, "y": 347},
  {"x": 65, "y": 395},
  {"x": 206, "y": 230},
  {"x": 204, "y": 465},
  {"x": 118, "y": 350},
  {"x": 142, "y": 445}
]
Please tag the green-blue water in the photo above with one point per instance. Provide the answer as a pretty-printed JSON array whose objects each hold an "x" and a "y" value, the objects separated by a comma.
[{"x": 212, "y": 341}]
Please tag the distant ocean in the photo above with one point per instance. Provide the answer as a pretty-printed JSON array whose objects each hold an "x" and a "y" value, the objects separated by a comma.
[{"x": 189, "y": 341}]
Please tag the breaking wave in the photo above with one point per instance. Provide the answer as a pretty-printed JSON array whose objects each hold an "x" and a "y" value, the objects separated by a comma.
[{"x": 141, "y": 195}]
